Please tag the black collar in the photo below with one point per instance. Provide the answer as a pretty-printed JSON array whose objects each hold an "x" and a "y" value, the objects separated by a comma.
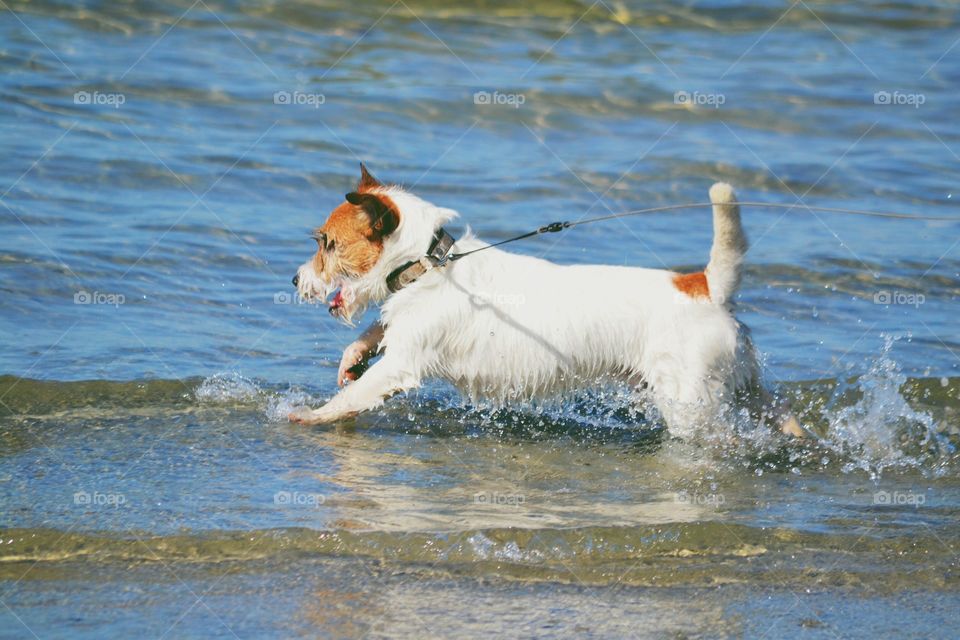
[{"x": 410, "y": 272}]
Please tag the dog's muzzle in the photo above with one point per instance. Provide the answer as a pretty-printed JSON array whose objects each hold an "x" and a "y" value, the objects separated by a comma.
[{"x": 296, "y": 279}]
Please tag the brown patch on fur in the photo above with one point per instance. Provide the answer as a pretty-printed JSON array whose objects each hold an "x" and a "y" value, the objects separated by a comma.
[
  {"x": 693, "y": 284},
  {"x": 354, "y": 240},
  {"x": 384, "y": 218},
  {"x": 386, "y": 227}
]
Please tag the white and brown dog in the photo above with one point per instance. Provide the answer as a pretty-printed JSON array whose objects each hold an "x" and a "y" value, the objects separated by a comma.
[{"x": 508, "y": 327}]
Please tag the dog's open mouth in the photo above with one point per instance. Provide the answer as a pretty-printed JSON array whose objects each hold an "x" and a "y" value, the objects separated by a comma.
[
  {"x": 337, "y": 294},
  {"x": 336, "y": 305}
]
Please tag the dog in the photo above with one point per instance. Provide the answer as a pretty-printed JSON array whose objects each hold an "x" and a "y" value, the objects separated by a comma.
[{"x": 507, "y": 327}]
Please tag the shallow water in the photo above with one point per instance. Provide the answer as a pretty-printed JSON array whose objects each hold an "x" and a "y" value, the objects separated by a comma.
[{"x": 156, "y": 201}]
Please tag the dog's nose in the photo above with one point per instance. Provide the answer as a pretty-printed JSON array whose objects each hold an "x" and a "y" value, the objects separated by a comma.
[{"x": 296, "y": 279}]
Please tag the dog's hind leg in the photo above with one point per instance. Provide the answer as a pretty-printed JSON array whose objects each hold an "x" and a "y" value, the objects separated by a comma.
[
  {"x": 387, "y": 377},
  {"x": 780, "y": 415},
  {"x": 690, "y": 402},
  {"x": 763, "y": 406}
]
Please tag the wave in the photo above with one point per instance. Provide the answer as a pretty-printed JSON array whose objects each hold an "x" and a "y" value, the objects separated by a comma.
[
  {"x": 705, "y": 553},
  {"x": 305, "y": 16}
]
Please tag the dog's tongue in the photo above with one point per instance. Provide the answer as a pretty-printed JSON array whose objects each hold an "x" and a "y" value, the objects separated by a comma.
[{"x": 337, "y": 301}]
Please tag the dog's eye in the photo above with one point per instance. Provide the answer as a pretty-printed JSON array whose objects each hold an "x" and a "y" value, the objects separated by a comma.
[{"x": 323, "y": 241}]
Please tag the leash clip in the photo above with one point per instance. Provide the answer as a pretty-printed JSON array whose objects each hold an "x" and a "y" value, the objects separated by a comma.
[{"x": 553, "y": 227}]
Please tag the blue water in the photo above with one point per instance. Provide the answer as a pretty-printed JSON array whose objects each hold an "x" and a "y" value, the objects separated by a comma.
[
  {"x": 148, "y": 168},
  {"x": 193, "y": 198}
]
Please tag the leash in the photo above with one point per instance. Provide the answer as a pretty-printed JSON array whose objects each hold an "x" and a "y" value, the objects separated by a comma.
[
  {"x": 555, "y": 227},
  {"x": 439, "y": 255}
]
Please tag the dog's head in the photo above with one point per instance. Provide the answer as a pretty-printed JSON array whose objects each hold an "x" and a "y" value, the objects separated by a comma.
[
  {"x": 349, "y": 245},
  {"x": 375, "y": 230}
]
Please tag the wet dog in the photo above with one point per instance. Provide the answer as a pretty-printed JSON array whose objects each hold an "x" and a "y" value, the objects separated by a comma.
[{"x": 507, "y": 327}]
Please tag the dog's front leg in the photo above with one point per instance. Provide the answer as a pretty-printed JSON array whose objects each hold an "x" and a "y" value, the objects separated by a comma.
[
  {"x": 355, "y": 357},
  {"x": 385, "y": 378}
]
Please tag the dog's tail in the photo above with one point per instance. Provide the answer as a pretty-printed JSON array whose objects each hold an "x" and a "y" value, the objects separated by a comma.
[{"x": 729, "y": 244}]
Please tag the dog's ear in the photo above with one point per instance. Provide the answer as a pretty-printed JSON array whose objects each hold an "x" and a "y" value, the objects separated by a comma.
[
  {"x": 384, "y": 219},
  {"x": 367, "y": 181}
]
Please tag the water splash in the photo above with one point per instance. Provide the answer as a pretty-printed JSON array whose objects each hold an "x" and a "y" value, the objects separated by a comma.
[
  {"x": 227, "y": 387},
  {"x": 868, "y": 423},
  {"x": 277, "y": 406},
  {"x": 230, "y": 388},
  {"x": 881, "y": 430},
  {"x": 484, "y": 548}
]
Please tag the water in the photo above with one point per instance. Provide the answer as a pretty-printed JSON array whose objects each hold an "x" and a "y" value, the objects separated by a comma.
[{"x": 156, "y": 201}]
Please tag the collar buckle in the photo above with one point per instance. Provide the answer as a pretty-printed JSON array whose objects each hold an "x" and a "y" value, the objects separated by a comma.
[{"x": 436, "y": 256}]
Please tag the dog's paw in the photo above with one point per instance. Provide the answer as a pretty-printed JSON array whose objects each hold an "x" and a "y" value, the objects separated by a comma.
[
  {"x": 304, "y": 416},
  {"x": 790, "y": 426},
  {"x": 353, "y": 363}
]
